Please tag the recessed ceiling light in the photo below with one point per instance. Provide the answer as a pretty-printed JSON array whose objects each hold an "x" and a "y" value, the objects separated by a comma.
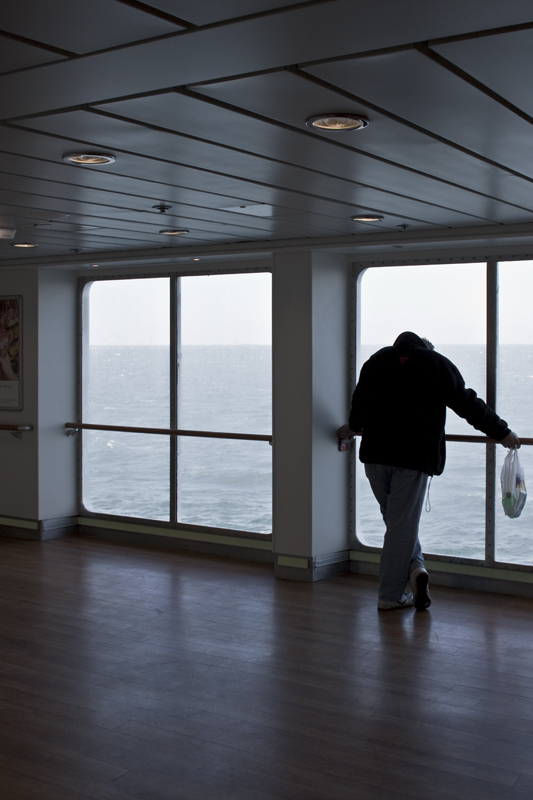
[
  {"x": 173, "y": 231},
  {"x": 196, "y": 259},
  {"x": 24, "y": 244},
  {"x": 94, "y": 265},
  {"x": 88, "y": 159},
  {"x": 337, "y": 122},
  {"x": 367, "y": 218}
]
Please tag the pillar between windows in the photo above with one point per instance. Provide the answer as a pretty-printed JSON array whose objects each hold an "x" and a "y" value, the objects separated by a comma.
[{"x": 311, "y": 395}]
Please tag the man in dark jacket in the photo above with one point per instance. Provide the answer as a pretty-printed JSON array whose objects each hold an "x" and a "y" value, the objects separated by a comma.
[{"x": 399, "y": 404}]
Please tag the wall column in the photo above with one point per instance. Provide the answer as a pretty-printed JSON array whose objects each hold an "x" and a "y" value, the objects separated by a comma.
[
  {"x": 38, "y": 472},
  {"x": 310, "y": 299}
]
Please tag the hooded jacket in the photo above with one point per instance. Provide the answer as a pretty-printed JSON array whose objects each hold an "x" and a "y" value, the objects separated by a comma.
[{"x": 400, "y": 406}]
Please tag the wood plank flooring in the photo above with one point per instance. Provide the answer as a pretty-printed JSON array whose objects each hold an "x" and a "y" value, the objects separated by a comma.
[{"x": 135, "y": 673}]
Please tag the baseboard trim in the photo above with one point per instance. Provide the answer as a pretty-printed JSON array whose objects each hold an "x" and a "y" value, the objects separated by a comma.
[
  {"x": 57, "y": 528},
  {"x": 210, "y": 544},
  {"x": 19, "y": 532},
  {"x": 309, "y": 570},
  {"x": 38, "y": 530},
  {"x": 459, "y": 576}
]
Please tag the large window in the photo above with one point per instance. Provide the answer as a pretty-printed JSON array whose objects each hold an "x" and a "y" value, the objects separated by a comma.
[
  {"x": 447, "y": 303},
  {"x": 190, "y": 353}
]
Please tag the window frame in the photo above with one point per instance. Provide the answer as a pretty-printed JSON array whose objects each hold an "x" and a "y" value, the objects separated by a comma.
[
  {"x": 491, "y": 340},
  {"x": 84, "y": 282}
]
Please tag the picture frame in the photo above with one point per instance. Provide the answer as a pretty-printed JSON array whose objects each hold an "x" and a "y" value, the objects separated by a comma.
[{"x": 10, "y": 352}]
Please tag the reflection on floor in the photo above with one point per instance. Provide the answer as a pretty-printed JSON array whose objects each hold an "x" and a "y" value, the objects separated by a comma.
[{"x": 136, "y": 673}]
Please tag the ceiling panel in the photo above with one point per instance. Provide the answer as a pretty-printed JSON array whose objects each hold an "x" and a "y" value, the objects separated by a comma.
[
  {"x": 140, "y": 218},
  {"x": 164, "y": 183},
  {"x": 313, "y": 32},
  {"x": 19, "y": 55},
  {"x": 291, "y": 99},
  {"x": 418, "y": 89},
  {"x": 299, "y": 147},
  {"x": 503, "y": 62},
  {"x": 110, "y": 133},
  {"x": 204, "y": 12},
  {"x": 75, "y": 26},
  {"x": 155, "y": 179},
  {"x": 438, "y": 151},
  {"x": 144, "y": 224},
  {"x": 144, "y": 219},
  {"x": 143, "y": 227}
]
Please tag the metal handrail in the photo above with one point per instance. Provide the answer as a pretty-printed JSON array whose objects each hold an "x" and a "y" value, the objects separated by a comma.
[
  {"x": 451, "y": 437},
  {"x": 16, "y": 430},
  {"x": 16, "y": 427},
  {"x": 255, "y": 437},
  {"x": 456, "y": 437}
]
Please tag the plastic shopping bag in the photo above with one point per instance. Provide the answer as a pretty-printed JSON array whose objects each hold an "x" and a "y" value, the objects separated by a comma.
[{"x": 514, "y": 491}]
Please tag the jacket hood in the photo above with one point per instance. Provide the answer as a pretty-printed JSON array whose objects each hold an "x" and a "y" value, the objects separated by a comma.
[{"x": 407, "y": 340}]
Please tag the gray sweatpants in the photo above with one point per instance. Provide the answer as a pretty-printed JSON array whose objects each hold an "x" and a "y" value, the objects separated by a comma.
[{"x": 400, "y": 493}]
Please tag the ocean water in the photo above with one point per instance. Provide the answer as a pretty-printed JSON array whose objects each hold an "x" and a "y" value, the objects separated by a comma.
[
  {"x": 221, "y": 483},
  {"x": 228, "y": 484}
]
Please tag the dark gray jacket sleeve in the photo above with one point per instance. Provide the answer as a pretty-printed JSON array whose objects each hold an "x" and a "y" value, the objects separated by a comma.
[{"x": 468, "y": 405}]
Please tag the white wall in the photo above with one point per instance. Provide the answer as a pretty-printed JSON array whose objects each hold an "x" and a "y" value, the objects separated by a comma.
[
  {"x": 310, "y": 395},
  {"x": 292, "y": 408},
  {"x": 57, "y": 453},
  {"x": 38, "y": 472},
  {"x": 331, "y": 397},
  {"x": 19, "y": 495}
]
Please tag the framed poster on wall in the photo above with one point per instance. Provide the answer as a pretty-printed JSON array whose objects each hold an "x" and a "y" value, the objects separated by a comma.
[{"x": 10, "y": 353}]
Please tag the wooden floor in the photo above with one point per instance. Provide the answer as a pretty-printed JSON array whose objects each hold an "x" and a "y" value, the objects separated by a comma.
[{"x": 140, "y": 674}]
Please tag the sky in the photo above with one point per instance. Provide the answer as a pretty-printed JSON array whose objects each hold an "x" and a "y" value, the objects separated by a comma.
[
  {"x": 215, "y": 309},
  {"x": 445, "y": 303}
]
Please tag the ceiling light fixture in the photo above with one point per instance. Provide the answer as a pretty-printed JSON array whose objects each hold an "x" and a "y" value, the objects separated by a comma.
[
  {"x": 367, "y": 218},
  {"x": 94, "y": 265},
  {"x": 24, "y": 244},
  {"x": 337, "y": 122},
  {"x": 89, "y": 159},
  {"x": 173, "y": 231}
]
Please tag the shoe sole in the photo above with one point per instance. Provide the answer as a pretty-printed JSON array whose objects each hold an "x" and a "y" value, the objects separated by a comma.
[
  {"x": 388, "y": 605},
  {"x": 421, "y": 594}
]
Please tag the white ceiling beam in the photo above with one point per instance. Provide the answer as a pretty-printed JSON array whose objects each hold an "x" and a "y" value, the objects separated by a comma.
[{"x": 274, "y": 41}]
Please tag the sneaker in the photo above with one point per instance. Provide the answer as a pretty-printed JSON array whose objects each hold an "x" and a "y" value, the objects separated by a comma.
[
  {"x": 405, "y": 601},
  {"x": 419, "y": 584}
]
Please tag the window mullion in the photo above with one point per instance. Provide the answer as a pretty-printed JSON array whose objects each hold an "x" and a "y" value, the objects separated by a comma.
[
  {"x": 175, "y": 353},
  {"x": 492, "y": 365}
]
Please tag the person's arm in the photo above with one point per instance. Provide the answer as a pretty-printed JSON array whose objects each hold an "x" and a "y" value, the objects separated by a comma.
[
  {"x": 359, "y": 401},
  {"x": 347, "y": 431},
  {"x": 469, "y": 406}
]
